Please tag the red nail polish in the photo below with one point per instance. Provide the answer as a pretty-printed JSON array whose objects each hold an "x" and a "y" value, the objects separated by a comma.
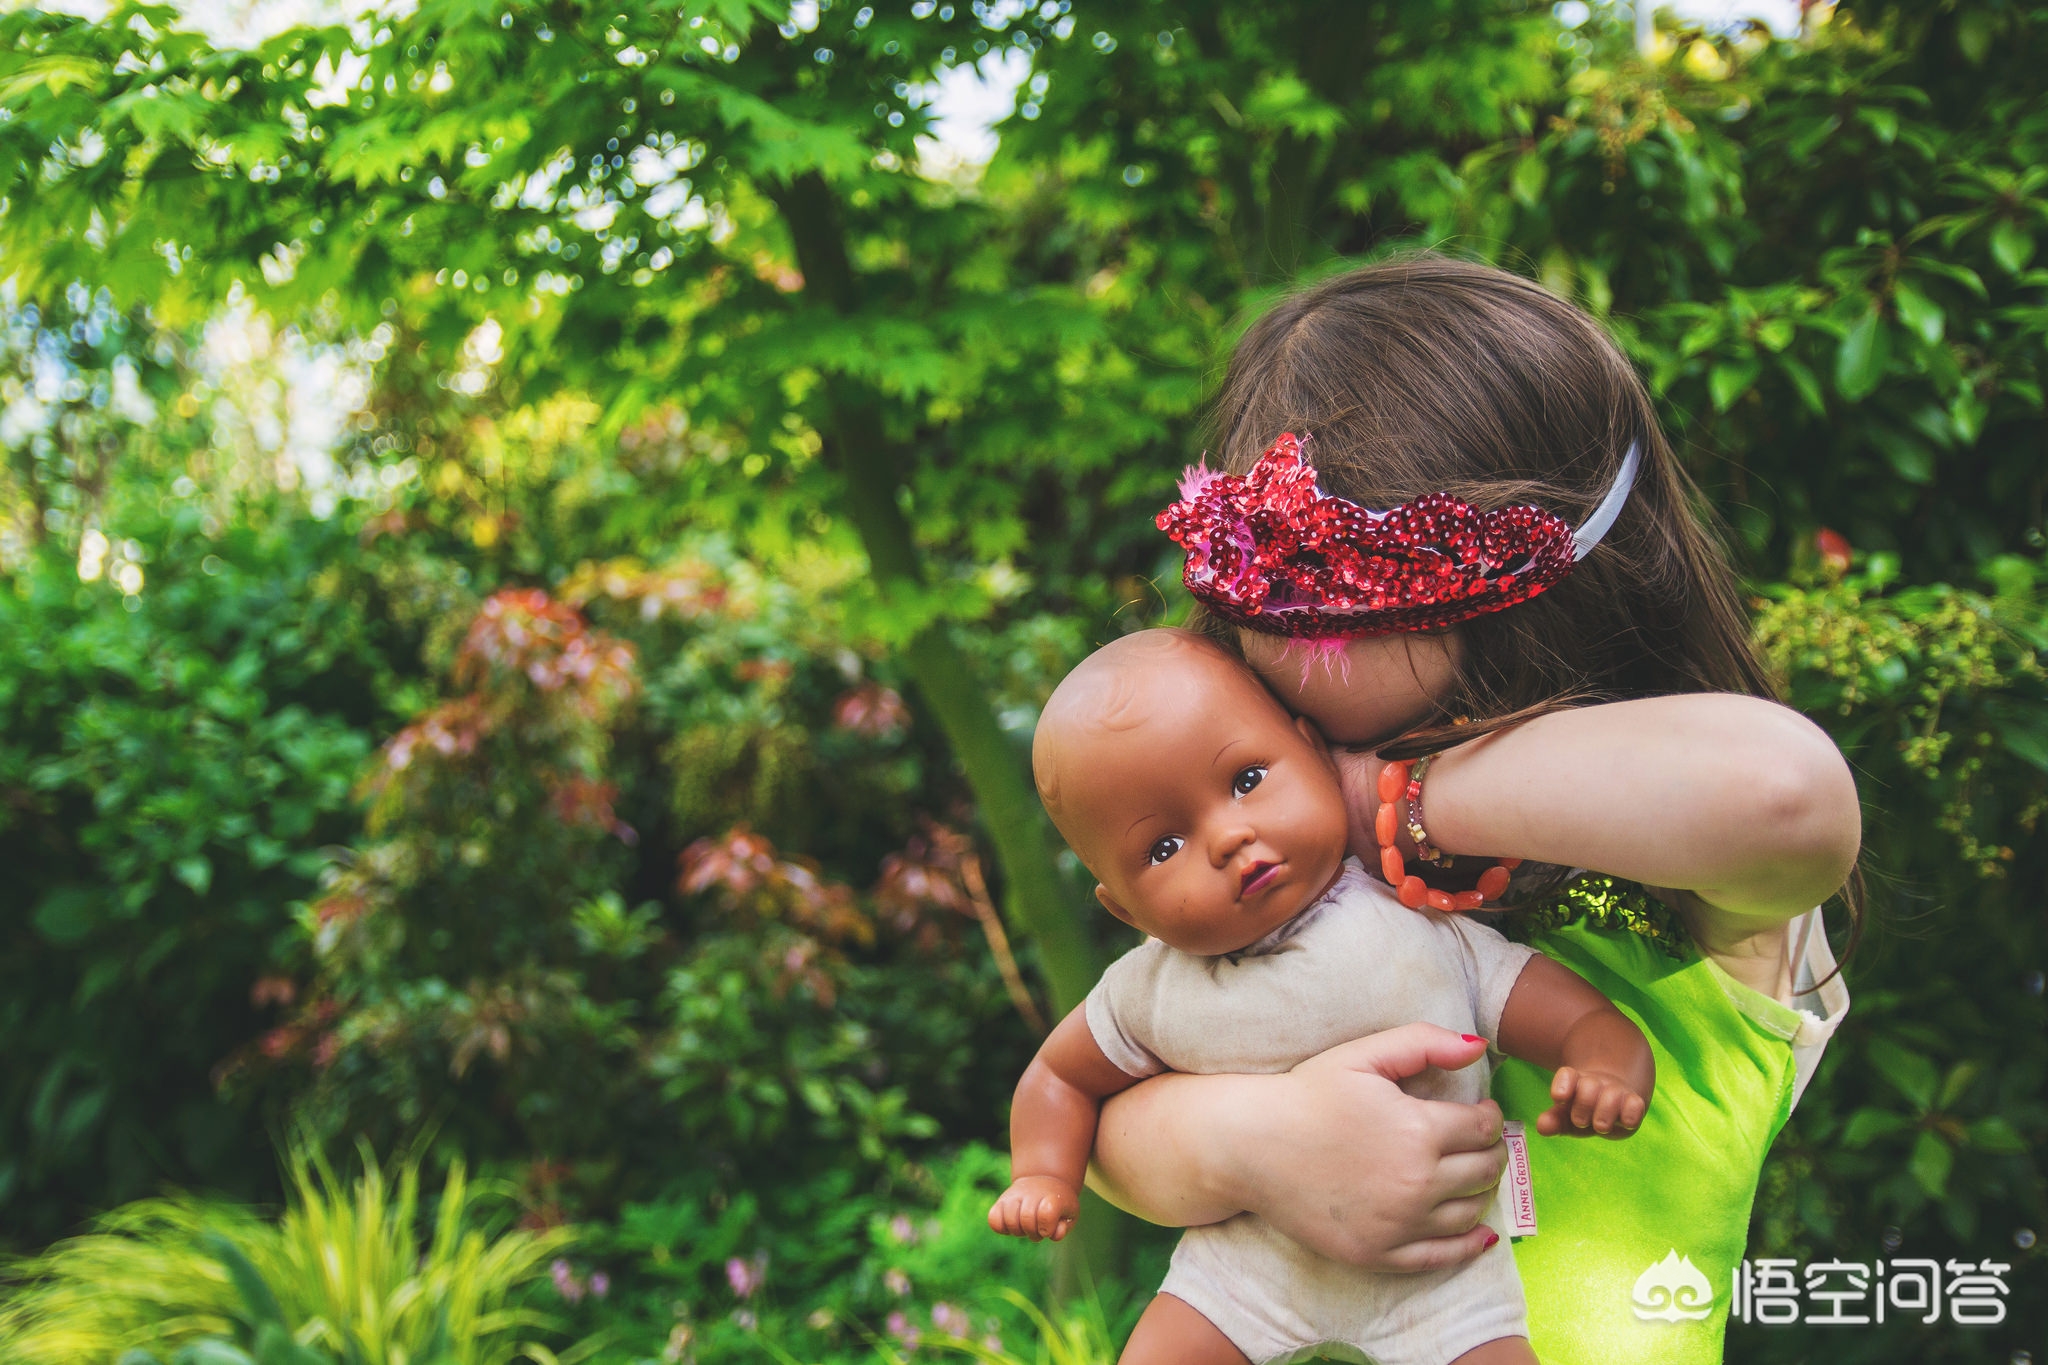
[
  {"x": 1491, "y": 1238},
  {"x": 1471, "y": 1037}
]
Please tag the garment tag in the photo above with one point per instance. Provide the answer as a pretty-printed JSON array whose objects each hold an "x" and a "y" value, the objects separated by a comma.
[{"x": 1520, "y": 1192}]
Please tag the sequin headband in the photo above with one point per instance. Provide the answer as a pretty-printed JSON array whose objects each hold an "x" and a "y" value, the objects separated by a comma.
[{"x": 1274, "y": 553}]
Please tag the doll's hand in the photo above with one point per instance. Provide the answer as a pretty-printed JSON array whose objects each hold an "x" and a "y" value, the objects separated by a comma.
[
  {"x": 1036, "y": 1206},
  {"x": 1589, "y": 1102}
]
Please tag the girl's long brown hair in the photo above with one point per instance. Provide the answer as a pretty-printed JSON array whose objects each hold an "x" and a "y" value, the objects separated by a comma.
[{"x": 1426, "y": 373}]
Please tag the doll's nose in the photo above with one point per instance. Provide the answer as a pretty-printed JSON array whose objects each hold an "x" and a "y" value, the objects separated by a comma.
[{"x": 1228, "y": 840}]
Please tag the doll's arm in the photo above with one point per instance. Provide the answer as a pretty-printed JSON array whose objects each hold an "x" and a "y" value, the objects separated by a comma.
[
  {"x": 1605, "y": 1072},
  {"x": 1052, "y": 1129}
]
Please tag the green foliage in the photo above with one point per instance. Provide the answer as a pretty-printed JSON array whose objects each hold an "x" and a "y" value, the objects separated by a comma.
[
  {"x": 563, "y": 907},
  {"x": 344, "y": 1277},
  {"x": 169, "y": 763},
  {"x": 1926, "y": 1125},
  {"x": 831, "y": 1272},
  {"x": 681, "y": 347}
]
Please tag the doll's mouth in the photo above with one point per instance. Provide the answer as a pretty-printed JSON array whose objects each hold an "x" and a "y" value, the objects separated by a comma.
[{"x": 1258, "y": 877}]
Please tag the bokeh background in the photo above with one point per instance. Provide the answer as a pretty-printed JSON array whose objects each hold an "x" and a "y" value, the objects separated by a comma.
[{"x": 532, "y": 536}]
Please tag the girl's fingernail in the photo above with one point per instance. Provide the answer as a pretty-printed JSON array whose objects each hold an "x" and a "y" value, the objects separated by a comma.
[
  {"x": 1471, "y": 1037},
  {"x": 1491, "y": 1238}
]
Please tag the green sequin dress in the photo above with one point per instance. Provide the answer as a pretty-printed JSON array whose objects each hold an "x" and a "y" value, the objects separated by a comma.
[{"x": 1638, "y": 1240}]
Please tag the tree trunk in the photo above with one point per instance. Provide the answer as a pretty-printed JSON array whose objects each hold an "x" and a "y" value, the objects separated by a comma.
[{"x": 1036, "y": 896}]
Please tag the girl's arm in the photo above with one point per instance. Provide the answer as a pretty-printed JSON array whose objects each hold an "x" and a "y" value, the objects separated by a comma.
[
  {"x": 1334, "y": 1154},
  {"x": 1052, "y": 1128},
  {"x": 1741, "y": 806}
]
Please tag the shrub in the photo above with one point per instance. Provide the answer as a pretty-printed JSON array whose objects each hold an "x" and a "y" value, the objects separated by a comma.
[{"x": 345, "y": 1274}]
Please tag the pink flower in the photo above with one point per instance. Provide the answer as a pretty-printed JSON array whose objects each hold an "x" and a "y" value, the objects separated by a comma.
[
  {"x": 746, "y": 1276},
  {"x": 872, "y": 710},
  {"x": 899, "y": 1327},
  {"x": 896, "y": 1282},
  {"x": 566, "y": 1283}
]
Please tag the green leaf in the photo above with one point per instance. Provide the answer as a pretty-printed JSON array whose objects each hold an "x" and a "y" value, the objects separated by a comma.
[
  {"x": 1804, "y": 382},
  {"x": 1728, "y": 382},
  {"x": 2012, "y": 246},
  {"x": 1867, "y": 1125},
  {"x": 2027, "y": 743},
  {"x": 212, "y": 1351},
  {"x": 1861, "y": 361},
  {"x": 248, "y": 1281},
  {"x": 1912, "y": 1073},
  {"x": 1956, "y": 1082},
  {"x": 1966, "y": 414},
  {"x": 1973, "y": 35},
  {"x": 1930, "y": 1164},
  {"x": 52, "y": 73},
  {"x": 274, "y": 1346},
  {"x": 196, "y": 872},
  {"x": 1918, "y": 312},
  {"x": 68, "y": 914},
  {"x": 1526, "y": 182},
  {"x": 1995, "y": 1134},
  {"x": 1883, "y": 122},
  {"x": 1905, "y": 452}
]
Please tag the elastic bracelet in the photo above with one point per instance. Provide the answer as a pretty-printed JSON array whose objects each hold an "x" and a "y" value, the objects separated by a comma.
[
  {"x": 1428, "y": 852},
  {"x": 1402, "y": 779}
]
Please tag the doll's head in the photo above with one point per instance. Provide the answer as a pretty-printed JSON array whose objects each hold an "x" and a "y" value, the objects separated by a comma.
[
  {"x": 1425, "y": 374},
  {"x": 1208, "y": 815}
]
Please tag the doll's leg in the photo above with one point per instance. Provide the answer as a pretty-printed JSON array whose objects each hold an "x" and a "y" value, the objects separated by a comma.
[
  {"x": 1500, "y": 1351},
  {"x": 1172, "y": 1333}
]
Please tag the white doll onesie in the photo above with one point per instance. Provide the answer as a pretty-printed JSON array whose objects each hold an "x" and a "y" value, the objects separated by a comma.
[{"x": 1355, "y": 962}]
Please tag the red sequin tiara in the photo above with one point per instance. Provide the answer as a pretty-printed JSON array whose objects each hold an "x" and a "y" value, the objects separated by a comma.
[{"x": 1272, "y": 552}]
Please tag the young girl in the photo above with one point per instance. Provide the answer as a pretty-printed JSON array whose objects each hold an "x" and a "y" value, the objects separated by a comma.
[{"x": 1677, "y": 839}]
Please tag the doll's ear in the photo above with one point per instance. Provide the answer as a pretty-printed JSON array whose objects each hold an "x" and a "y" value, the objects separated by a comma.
[
  {"x": 1109, "y": 904},
  {"x": 1314, "y": 737}
]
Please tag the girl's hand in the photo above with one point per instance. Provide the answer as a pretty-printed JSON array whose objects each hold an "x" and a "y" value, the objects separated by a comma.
[{"x": 1333, "y": 1153}]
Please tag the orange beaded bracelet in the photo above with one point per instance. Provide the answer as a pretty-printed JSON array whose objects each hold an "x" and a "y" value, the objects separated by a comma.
[{"x": 1403, "y": 778}]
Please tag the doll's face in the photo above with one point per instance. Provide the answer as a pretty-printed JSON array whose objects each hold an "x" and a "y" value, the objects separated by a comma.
[
  {"x": 1208, "y": 815},
  {"x": 1375, "y": 690}
]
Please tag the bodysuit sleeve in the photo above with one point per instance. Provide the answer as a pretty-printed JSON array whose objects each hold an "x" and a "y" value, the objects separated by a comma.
[
  {"x": 1491, "y": 965},
  {"x": 1121, "y": 1008}
]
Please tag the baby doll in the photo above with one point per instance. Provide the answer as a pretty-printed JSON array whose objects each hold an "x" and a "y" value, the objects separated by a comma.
[{"x": 1213, "y": 822}]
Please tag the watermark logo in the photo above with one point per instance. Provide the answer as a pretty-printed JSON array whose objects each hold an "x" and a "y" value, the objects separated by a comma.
[
  {"x": 1673, "y": 1290},
  {"x": 1854, "y": 1293}
]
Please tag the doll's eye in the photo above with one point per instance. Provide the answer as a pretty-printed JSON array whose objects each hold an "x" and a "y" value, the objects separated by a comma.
[
  {"x": 1164, "y": 848},
  {"x": 1251, "y": 777}
]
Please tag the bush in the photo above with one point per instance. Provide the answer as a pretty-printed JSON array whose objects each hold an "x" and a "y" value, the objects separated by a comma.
[
  {"x": 831, "y": 1271},
  {"x": 170, "y": 763},
  {"x": 344, "y": 1276}
]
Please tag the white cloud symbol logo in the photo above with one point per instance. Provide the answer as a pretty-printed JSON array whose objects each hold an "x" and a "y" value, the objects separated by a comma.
[{"x": 1673, "y": 1290}]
